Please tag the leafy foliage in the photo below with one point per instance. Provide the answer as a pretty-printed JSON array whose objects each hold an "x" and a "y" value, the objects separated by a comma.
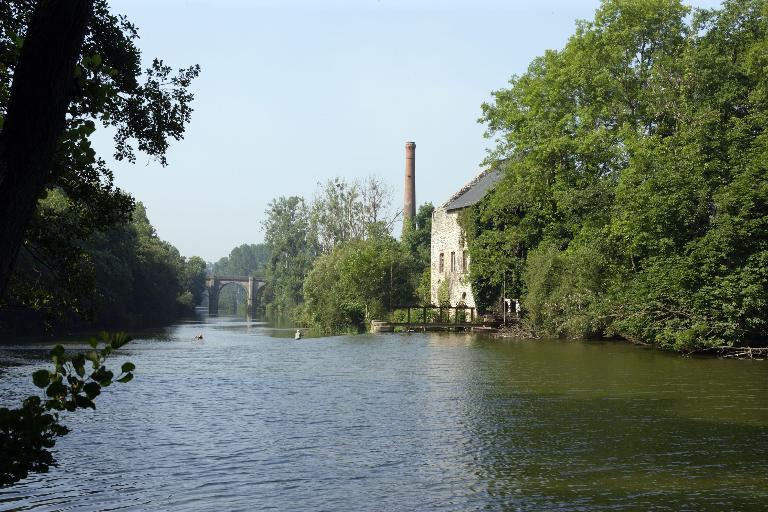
[
  {"x": 297, "y": 233},
  {"x": 633, "y": 201},
  {"x": 108, "y": 89},
  {"x": 417, "y": 234},
  {"x": 358, "y": 281},
  {"x": 292, "y": 248},
  {"x": 343, "y": 211},
  {"x": 28, "y": 433},
  {"x": 334, "y": 264},
  {"x": 146, "y": 109},
  {"x": 244, "y": 260},
  {"x": 124, "y": 275}
]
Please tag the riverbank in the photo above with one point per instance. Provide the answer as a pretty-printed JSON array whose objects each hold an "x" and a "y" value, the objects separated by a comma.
[
  {"x": 520, "y": 332},
  {"x": 34, "y": 328}
]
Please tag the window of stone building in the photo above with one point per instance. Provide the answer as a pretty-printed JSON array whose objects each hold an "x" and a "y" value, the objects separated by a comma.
[
  {"x": 442, "y": 262},
  {"x": 453, "y": 261},
  {"x": 464, "y": 261}
]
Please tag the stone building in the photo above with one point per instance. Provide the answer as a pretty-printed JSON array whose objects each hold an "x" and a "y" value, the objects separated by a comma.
[{"x": 449, "y": 256}]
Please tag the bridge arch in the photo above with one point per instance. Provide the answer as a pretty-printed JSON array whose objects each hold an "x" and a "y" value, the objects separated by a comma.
[{"x": 251, "y": 284}]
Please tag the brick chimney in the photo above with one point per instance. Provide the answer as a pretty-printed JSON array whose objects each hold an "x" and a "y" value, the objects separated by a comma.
[{"x": 409, "y": 197}]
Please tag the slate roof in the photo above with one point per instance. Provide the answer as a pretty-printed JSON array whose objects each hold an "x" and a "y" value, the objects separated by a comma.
[{"x": 475, "y": 190}]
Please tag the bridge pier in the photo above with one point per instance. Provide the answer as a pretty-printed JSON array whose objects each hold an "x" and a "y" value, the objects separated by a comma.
[
  {"x": 213, "y": 295},
  {"x": 250, "y": 305}
]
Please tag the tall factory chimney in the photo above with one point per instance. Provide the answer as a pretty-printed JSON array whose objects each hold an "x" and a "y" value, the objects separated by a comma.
[{"x": 409, "y": 198}]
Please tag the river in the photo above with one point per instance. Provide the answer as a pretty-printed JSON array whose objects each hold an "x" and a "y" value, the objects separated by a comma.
[{"x": 251, "y": 419}]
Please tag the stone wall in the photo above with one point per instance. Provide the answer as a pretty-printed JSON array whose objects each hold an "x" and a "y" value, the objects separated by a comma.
[{"x": 446, "y": 239}]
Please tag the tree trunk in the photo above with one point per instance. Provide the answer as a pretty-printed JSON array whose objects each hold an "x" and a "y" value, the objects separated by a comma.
[{"x": 35, "y": 119}]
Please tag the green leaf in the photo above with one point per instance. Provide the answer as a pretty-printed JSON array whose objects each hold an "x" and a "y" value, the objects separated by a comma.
[
  {"x": 119, "y": 339},
  {"x": 128, "y": 367},
  {"x": 84, "y": 402},
  {"x": 127, "y": 378},
  {"x": 105, "y": 378},
  {"x": 56, "y": 389},
  {"x": 54, "y": 404},
  {"x": 59, "y": 430},
  {"x": 93, "y": 356},
  {"x": 58, "y": 352},
  {"x": 78, "y": 362},
  {"x": 92, "y": 389},
  {"x": 41, "y": 378},
  {"x": 93, "y": 342}
]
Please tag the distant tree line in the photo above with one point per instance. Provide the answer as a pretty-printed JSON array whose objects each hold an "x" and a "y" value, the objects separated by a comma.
[{"x": 634, "y": 201}]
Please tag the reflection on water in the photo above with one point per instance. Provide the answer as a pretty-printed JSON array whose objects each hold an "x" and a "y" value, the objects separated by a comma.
[{"x": 250, "y": 419}]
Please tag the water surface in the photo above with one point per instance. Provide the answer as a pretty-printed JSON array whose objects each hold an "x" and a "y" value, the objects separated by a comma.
[{"x": 251, "y": 419}]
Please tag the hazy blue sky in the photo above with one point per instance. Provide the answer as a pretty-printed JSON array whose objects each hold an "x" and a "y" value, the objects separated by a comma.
[{"x": 295, "y": 92}]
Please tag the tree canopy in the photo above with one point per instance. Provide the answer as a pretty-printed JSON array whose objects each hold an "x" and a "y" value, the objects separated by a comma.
[
  {"x": 635, "y": 189},
  {"x": 333, "y": 262},
  {"x": 98, "y": 80},
  {"x": 356, "y": 282},
  {"x": 81, "y": 252}
]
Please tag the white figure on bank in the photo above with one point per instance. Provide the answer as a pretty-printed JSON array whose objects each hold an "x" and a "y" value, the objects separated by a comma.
[{"x": 297, "y": 336}]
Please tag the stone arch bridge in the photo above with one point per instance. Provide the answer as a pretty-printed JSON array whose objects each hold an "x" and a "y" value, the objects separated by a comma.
[{"x": 251, "y": 284}]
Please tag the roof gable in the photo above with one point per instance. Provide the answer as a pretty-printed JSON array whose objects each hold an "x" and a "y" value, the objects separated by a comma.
[{"x": 475, "y": 190}]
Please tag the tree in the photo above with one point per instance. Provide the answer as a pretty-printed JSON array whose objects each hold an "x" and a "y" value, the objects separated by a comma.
[
  {"x": 34, "y": 117},
  {"x": 122, "y": 276},
  {"x": 244, "y": 260},
  {"x": 624, "y": 207},
  {"x": 297, "y": 233},
  {"x": 343, "y": 211},
  {"x": 70, "y": 64},
  {"x": 417, "y": 235},
  {"x": 417, "y": 241},
  {"x": 193, "y": 279},
  {"x": 292, "y": 248},
  {"x": 357, "y": 281}
]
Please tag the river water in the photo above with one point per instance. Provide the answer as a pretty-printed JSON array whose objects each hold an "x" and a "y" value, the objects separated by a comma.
[{"x": 251, "y": 419}]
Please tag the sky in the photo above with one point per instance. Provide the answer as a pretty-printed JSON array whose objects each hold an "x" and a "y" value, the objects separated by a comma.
[{"x": 293, "y": 93}]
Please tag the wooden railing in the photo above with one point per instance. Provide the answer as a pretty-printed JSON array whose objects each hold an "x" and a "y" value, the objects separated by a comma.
[{"x": 443, "y": 315}]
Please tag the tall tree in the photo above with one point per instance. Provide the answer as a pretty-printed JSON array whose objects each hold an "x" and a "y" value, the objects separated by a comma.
[
  {"x": 292, "y": 247},
  {"x": 35, "y": 117},
  {"x": 350, "y": 210},
  {"x": 633, "y": 198},
  {"x": 64, "y": 66}
]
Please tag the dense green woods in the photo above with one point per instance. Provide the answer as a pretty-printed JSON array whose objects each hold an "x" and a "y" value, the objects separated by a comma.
[
  {"x": 122, "y": 275},
  {"x": 635, "y": 195}
]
